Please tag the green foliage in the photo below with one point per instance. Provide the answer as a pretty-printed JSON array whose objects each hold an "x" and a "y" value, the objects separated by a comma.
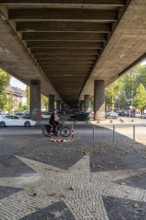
[
  {"x": 24, "y": 107},
  {"x": 44, "y": 101},
  {"x": 131, "y": 82},
  {"x": 3, "y": 100},
  {"x": 28, "y": 96},
  {"x": 4, "y": 80},
  {"x": 122, "y": 101},
  {"x": 125, "y": 88},
  {"x": 142, "y": 75},
  {"x": 112, "y": 93},
  {"x": 20, "y": 107},
  {"x": 140, "y": 97},
  {"x": 9, "y": 105}
]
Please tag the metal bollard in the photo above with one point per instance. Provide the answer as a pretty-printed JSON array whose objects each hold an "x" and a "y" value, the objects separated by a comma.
[
  {"x": 134, "y": 132},
  {"x": 93, "y": 133},
  {"x": 113, "y": 132}
]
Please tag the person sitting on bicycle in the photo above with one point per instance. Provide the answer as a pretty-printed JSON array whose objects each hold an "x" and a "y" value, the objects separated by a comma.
[{"x": 54, "y": 121}]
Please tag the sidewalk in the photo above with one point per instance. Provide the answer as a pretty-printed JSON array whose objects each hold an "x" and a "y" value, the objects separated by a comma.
[{"x": 40, "y": 180}]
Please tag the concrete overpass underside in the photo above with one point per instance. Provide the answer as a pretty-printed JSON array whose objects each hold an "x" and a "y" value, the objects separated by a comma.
[{"x": 68, "y": 44}]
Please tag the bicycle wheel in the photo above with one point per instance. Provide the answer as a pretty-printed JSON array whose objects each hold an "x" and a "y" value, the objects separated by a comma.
[
  {"x": 65, "y": 131},
  {"x": 46, "y": 130}
]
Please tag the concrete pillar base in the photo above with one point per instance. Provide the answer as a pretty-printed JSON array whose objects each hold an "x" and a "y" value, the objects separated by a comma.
[
  {"x": 99, "y": 100},
  {"x": 51, "y": 103},
  {"x": 35, "y": 99},
  {"x": 58, "y": 105},
  {"x": 87, "y": 103}
]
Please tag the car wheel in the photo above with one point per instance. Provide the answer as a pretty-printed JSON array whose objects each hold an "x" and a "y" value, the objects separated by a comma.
[
  {"x": 27, "y": 124},
  {"x": 2, "y": 124}
]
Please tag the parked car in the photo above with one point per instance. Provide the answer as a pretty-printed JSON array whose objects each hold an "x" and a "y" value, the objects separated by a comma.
[
  {"x": 26, "y": 116},
  {"x": 46, "y": 115},
  {"x": 121, "y": 113},
  {"x": 61, "y": 112},
  {"x": 112, "y": 115},
  {"x": 13, "y": 120},
  {"x": 79, "y": 117},
  {"x": 26, "y": 112},
  {"x": 19, "y": 114},
  {"x": 129, "y": 114},
  {"x": 137, "y": 114},
  {"x": 143, "y": 116},
  {"x": 3, "y": 114}
]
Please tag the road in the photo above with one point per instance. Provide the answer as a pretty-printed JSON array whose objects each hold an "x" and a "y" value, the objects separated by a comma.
[
  {"x": 31, "y": 160},
  {"x": 85, "y": 131}
]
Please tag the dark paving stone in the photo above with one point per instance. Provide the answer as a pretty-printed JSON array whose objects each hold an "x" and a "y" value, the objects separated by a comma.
[
  {"x": 135, "y": 181},
  {"x": 7, "y": 191},
  {"x": 62, "y": 155},
  {"x": 123, "y": 209},
  {"x": 111, "y": 161},
  {"x": 12, "y": 167},
  {"x": 58, "y": 211}
]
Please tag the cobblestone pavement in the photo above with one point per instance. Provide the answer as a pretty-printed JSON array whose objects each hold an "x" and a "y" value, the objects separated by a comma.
[{"x": 101, "y": 180}]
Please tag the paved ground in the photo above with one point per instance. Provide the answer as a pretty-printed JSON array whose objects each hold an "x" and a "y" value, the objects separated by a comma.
[{"x": 101, "y": 180}]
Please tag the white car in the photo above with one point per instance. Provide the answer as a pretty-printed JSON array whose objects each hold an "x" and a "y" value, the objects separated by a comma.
[
  {"x": 137, "y": 114},
  {"x": 46, "y": 115},
  {"x": 13, "y": 120},
  {"x": 112, "y": 115}
]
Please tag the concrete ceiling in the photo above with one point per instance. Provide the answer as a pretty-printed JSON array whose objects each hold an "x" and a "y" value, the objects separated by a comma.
[{"x": 67, "y": 44}]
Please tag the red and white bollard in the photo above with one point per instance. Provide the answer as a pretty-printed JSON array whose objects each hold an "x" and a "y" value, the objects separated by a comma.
[
  {"x": 59, "y": 140},
  {"x": 51, "y": 131},
  {"x": 62, "y": 140},
  {"x": 72, "y": 134}
]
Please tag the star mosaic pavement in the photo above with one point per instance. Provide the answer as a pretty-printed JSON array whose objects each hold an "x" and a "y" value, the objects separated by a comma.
[{"x": 80, "y": 193}]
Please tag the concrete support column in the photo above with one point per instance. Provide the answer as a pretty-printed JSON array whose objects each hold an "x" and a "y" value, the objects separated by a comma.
[
  {"x": 82, "y": 105},
  {"x": 86, "y": 103},
  {"x": 62, "y": 106},
  {"x": 58, "y": 105},
  {"x": 35, "y": 99},
  {"x": 67, "y": 108},
  {"x": 51, "y": 103},
  {"x": 99, "y": 100}
]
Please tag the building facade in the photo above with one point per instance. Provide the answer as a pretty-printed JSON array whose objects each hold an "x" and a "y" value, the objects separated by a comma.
[{"x": 17, "y": 95}]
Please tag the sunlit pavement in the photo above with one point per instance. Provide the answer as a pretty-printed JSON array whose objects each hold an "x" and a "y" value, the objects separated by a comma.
[{"x": 89, "y": 179}]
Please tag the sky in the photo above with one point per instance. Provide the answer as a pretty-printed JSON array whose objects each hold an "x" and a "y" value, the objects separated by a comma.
[
  {"x": 16, "y": 83},
  {"x": 143, "y": 63}
]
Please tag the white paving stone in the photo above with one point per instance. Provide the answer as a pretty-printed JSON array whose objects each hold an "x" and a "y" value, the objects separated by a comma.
[{"x": 80, "y": 189}]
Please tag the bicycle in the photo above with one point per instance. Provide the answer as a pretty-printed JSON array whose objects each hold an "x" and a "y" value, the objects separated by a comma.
[{"x": 61, "y": 130}]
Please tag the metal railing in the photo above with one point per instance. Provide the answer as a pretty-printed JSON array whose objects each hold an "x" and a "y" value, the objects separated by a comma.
[{"x": 114, "y": 131}]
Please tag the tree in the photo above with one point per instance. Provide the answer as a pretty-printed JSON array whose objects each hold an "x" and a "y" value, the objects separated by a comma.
[
  {"x": 20, "y": 108},
  {"x": 122, "y": 102},
  {"x": 112, "y": 93},
  {"x": 9, "y": 105},
  {"x": 44, "y": 101},
  {"x": 4, "y": 81},
  {"x": 142, "y": 75},
  {"x": 3, "y": 100},
  {"x": 28, "y": 97},
  {"x": 140, "y": 97},
  {"x": 131, "y": 82}
]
